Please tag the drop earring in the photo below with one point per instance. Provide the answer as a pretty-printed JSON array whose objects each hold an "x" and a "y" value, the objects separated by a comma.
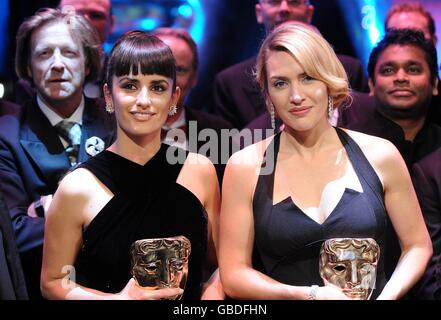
[
  {"x": 273, "y": 116},
  {"x": 330, "y": 107},
  {"x": 173, "y": 110}
]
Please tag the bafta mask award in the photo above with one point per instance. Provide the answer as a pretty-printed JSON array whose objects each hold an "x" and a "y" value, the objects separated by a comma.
[
  {"x": 350, "y": 264},
  {"x": 161, "y": 262}
]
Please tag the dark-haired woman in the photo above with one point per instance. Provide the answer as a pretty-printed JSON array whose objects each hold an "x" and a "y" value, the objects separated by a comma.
[{"x": 138, "y": 188}]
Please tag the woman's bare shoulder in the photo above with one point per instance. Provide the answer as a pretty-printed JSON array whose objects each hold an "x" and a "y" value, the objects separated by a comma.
[
  {"x": 198, "y": 163},
  {"x": 373, "y": 146},
  {"x": 381, "y": 154},
  {"x": 80, "y": 195},
  {"x": 244, "y": 168},
  {"x": 78, "y": 182},
  {"x": 251, "y": 155}
]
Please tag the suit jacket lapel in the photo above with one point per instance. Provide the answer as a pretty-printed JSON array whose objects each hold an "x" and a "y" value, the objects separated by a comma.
[{"x": 42, "y": 144}]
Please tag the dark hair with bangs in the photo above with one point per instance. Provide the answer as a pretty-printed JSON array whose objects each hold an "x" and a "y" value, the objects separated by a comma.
[{"x": 138, "y": 49}]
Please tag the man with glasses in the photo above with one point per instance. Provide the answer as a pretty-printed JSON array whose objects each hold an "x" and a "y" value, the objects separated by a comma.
[
  {"x": 271, "y": 13},
  {"x": 237, "y": 97}
]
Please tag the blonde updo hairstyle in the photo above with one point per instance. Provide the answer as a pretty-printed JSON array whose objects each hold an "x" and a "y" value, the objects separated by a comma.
[{"x": 312, "y": 52}]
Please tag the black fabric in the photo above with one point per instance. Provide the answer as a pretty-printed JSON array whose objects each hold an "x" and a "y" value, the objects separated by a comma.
[
  {"x": 371, "y": 121},
  {"x": 288, "y": 242},
  {"x": 147, "y": 203},
  {"x": 12, "y": 282},
  {"x": 426, "y": 177},
  {"x": 7, "y": 107}
]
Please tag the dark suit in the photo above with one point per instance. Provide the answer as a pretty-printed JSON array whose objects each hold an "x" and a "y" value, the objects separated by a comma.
[
  {"x": 426, "y": 176},
  {"x": 238, "y": 98},
  {"x": 12, "y": 282},
  {"x": 32, "y": 162},
  {"x": 362, "y": 104},
  {"x": 7, "y": 107},
  {"x": 24, "y": 91},
  {"x": 369, "y": 120},
  {"x": 434, "y": 114},
  {"x": 206, "y": 120}
]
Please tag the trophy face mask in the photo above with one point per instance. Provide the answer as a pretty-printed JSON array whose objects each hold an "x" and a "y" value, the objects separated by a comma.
[
  {"x": 161, "y": 262},
  {"x": 350, "y": 264}
]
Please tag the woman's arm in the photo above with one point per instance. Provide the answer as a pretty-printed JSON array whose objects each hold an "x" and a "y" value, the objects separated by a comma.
[
  {"x": 213, "y": 289},
  {"x": 404, "y": 211},
  {"x": 199, "y": 176},
  {"x": 77, "y": 197},
  {"x": 239, "y": 279}
]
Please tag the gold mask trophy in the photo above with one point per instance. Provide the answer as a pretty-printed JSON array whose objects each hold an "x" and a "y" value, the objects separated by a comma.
[
  {"x": 161, "y": 262},
  {"x": 350, "y": 264}
]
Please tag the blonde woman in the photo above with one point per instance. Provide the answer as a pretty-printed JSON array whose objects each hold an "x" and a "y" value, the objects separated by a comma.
[{"x": 326, "y": 183}]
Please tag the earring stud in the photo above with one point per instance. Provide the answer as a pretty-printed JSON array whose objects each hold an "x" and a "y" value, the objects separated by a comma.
[
  {"x": 109, "y": 108},
  {"x": 172, "y": 111}
]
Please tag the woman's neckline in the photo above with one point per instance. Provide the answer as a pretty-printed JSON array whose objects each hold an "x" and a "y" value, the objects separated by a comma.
[{"x": 119, "y": 156}]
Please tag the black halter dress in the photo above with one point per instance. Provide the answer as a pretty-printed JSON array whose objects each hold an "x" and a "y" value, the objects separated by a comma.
[
  {"x": 287, "y": 241},
  {"x": 147, "y": 203}
]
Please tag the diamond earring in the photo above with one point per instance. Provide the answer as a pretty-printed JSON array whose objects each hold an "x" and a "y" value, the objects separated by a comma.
[
  {"x": 109, "y": 108},
  {"x": 172, "y": 111},
  {"x": 273, "y": 116},
  {"x": 330, "y": 107}
]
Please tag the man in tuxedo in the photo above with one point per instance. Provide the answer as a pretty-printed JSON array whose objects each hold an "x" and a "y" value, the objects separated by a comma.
[
  {"x": 54, "y": 131},
  {"x": 189, "y": 120},
  {"x": 237, "y": 96}
]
